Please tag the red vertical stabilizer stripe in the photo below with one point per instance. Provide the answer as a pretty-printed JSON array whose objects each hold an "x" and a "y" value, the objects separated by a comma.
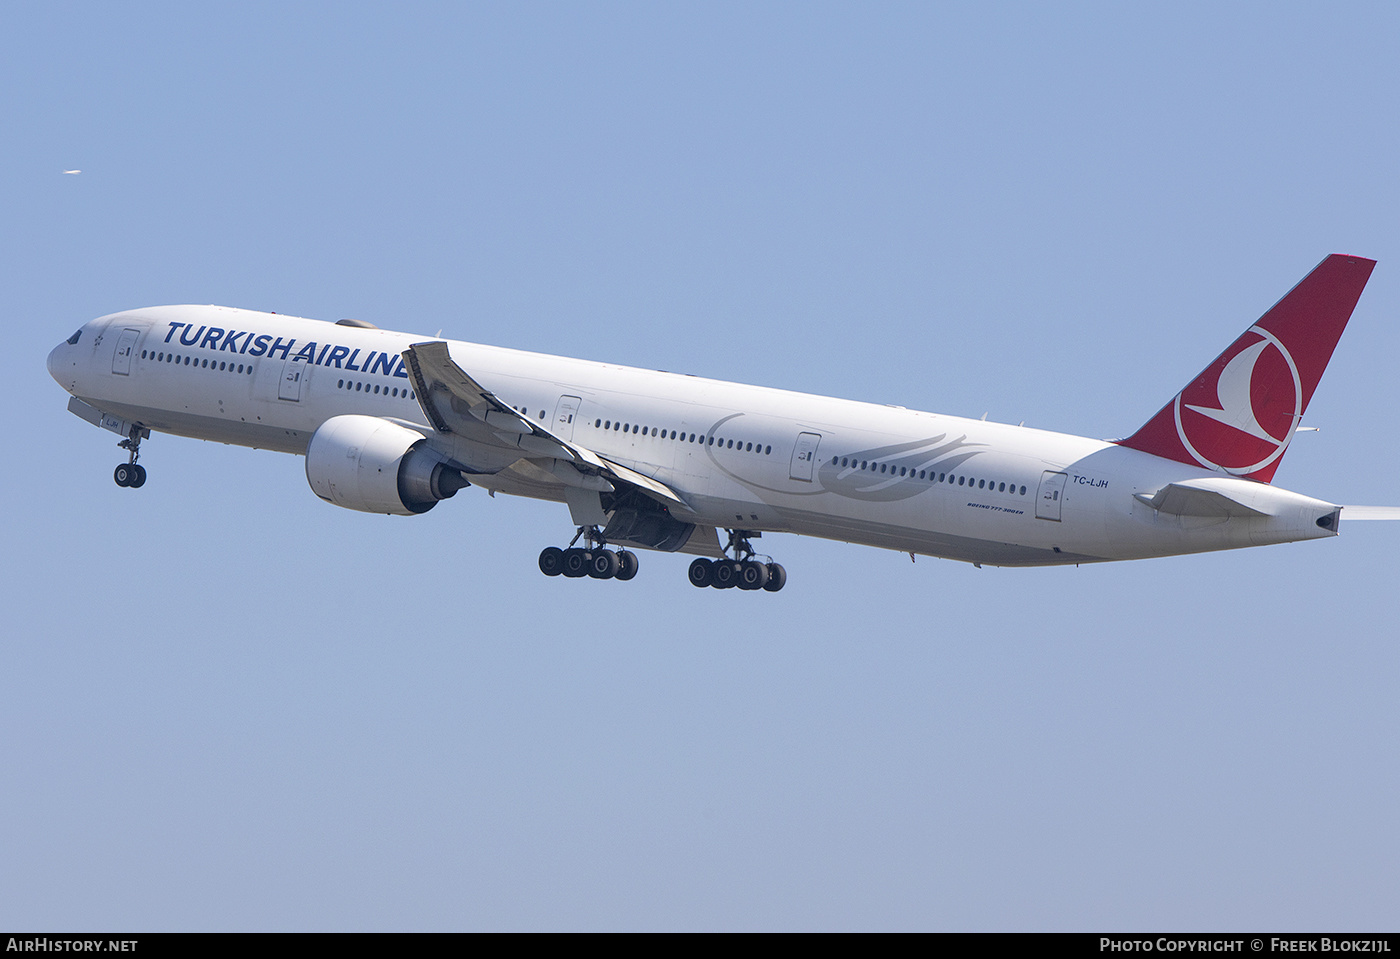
[{"x": 1238, "y": 415}]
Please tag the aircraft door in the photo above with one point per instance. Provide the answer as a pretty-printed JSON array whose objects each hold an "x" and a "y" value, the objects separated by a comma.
[
  {"x": 1051, "y": 496},
  {"x": 292, "y": 375},
  {"x": 564, "y": 415},
  {"x": 804, "y": 456},
  {"x": 126, "y": 345}
]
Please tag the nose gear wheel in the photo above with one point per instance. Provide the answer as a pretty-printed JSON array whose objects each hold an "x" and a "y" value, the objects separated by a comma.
[{"x": 131, "y": 474}]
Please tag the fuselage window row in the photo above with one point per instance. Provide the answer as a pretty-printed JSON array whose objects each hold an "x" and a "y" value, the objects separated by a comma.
[
  {"x": 359, "y": 386},
  {"x": 202, "y": 364},
  {"x": 931, "y": 476},
  {"x": 682, "y": 436}
]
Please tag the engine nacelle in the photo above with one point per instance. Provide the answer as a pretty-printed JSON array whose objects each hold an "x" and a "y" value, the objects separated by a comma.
[{"x": 370, "y": 464}]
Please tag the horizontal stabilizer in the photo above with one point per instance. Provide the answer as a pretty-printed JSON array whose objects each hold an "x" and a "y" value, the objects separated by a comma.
[{"x": 1182, "y": 499}]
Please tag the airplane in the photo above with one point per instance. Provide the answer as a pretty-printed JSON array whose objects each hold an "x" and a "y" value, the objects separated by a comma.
[{"x": 390, "y": 422}]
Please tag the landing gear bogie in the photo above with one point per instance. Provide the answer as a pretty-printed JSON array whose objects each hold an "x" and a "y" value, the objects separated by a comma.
[
  {"x": 593, "y": 560},
  {"x": 739, "y": 567}
]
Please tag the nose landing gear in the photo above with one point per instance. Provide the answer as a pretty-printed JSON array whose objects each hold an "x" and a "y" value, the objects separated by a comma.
[
  {"x": 132, "y": 474},
  {"x": 738, "y": 568}
]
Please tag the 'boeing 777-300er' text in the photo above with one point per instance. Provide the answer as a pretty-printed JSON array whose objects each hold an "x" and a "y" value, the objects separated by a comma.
[{"x": 391, "y": 423}]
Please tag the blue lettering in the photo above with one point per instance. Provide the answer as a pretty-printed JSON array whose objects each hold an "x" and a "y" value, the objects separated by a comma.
[
  {"x": 278, "y": 346},
  {"x": 385, "y": 364},
  {"x": 350, "y": 363},
  {"x": 323, "y": 353},
  {"x": 338, "y": 354},
  {"x": 194, "y": 340},
  {"x": 400, "y": 371},
  {"x": 259, "y": 345},
  {"x": 307, "y": 352},
  {"x": 173, "y": 328},
  {"x": 231, "y": 341},
  {"x": 211, "y": 339}
]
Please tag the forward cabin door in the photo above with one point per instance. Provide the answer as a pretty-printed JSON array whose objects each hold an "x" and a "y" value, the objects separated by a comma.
[
  {"x": 126, "y": 345},
  {"x": 804, "y": 456},
  {"x": 1051, "y": 495}
]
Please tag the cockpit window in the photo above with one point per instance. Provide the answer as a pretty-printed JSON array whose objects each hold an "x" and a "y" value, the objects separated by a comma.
[{"x": 73, "y": 340}]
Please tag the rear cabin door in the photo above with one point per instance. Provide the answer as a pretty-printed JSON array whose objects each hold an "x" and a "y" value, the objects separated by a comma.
[
  {"x": 126, "y": 345},
  {"x": 804, "y": 456},
  {"x": 1051, "y": 496}
]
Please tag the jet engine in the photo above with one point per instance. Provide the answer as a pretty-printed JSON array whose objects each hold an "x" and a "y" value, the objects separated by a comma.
[{"x": 373, "y": 465}]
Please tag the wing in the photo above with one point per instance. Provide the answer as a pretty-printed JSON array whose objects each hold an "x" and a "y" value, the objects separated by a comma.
[{"x": 457, "y": 404}]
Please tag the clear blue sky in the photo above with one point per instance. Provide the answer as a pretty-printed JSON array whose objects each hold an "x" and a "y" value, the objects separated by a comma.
[{"x": 228, "y": 705}]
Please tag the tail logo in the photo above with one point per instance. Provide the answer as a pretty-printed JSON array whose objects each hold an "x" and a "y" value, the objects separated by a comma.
[{"x": 1240, "y": 414}]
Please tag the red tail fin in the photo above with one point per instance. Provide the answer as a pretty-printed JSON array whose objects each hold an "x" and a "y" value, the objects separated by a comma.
[{"x": 1239, "y": 414}]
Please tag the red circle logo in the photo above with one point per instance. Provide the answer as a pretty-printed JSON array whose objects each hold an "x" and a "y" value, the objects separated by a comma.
[{"x": 1239, "y": 415}]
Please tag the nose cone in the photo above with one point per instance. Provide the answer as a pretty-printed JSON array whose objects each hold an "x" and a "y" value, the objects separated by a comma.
[{"x": 63, "y": 359}]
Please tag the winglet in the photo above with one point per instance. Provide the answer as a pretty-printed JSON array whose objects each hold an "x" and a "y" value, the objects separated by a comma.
[{"x": 1238, "y": 415}]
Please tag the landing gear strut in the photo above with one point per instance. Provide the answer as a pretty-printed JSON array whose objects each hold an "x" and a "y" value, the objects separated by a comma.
[
  {"x": 592, "y": 559},
  {"x": 131, "y": 473},
  {"x": 739, "y": 567}
]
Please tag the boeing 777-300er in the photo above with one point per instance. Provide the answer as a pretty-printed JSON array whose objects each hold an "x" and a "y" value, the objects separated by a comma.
[{"x": 391, "y": 423}]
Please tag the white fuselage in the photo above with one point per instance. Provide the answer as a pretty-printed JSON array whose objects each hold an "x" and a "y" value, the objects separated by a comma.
[{"x": 741, "y": 457}]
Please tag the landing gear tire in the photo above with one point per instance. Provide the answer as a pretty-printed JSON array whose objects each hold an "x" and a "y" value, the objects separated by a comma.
[
  {"x": 575, "y": 563},
  {"x": 753, "y": 575},
  {"x": 604, "y": 564},
  {"x": 701, "y": 573},
  {"x": 724, "y": 574},
  {"x": 139, "y": 480},
  {"x": 551, "y": 561},
  {"x": 777, "y": 578},
  {"x": 626, "y": 565},
  {"x": 124, "y": 474}
]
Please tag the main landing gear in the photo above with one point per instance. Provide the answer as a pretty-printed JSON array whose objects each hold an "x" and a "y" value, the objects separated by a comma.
[
  {"x": 131, "y": 473},
  {"x": 738, "y": 568},
  {"x": 593, "y": 559}
]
